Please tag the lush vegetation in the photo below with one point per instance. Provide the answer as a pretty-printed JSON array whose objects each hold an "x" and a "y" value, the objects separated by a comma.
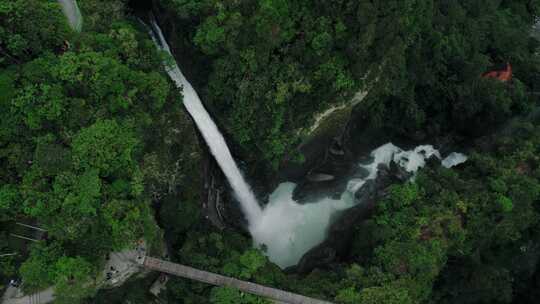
[
  {"x": 86, "y": 140},
  {"x": 458, "y": 236},
  {"x": 464, "y": 235},
  {"x": 275, "y": 63},
  {"x": 96, "y": 148}
]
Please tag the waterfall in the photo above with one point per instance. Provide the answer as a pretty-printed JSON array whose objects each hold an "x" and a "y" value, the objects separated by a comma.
[
  {"x": 286, "y": 228},
  {"x": 72, "y": 12},
  {"x": 214, "y": 139}
]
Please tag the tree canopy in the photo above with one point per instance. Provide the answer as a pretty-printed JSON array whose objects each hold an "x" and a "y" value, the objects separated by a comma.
[{"x": 78, "y": 111}]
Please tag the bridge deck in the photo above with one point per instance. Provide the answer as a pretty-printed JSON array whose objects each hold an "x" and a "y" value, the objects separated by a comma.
[{"x": 220, "y": 280}]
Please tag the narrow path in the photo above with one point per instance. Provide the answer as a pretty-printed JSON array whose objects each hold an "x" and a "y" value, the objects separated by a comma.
[
  {"x": 42, "y": 297},
  {"x": 121, "y": 265},
  {"x": 278, "y": 295}
]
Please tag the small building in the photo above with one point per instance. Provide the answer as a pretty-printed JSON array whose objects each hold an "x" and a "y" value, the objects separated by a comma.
[{"x": 504, "y": 75}]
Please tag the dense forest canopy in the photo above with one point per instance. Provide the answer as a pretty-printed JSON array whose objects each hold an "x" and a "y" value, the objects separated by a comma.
[
  {"x": 274, "y": 64},
  {"x": 77, "y": 147},
  {"x": 96, "y": 148}
]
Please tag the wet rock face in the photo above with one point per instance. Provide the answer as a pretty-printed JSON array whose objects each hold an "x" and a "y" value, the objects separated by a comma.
[
  {"x": 327, "y": 177},
  {"x": 399, "y": 173},
  {"x": 433, "y": 162}
]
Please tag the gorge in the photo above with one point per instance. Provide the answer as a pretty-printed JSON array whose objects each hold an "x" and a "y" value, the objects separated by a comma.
[{"x": 284, "y": 228}]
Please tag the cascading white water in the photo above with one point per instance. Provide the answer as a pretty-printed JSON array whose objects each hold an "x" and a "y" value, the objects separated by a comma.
[
  {"x": 288, "y": 229},
  {"x": 212, "y": 136},
  {"x": 72, "y": 12}
]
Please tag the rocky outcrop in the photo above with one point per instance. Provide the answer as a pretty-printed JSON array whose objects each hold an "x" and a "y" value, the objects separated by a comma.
[
  {"x": 328, "y": 177},
  {"x": 213, "y": 199},
  {"x": 322, "y": 147}
]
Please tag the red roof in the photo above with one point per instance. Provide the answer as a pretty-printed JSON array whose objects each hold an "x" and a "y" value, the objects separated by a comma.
[{"x": 502, "y": 75}]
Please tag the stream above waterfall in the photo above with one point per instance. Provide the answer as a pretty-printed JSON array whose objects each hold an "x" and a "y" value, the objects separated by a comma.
[{"x": 73, "y": 14}]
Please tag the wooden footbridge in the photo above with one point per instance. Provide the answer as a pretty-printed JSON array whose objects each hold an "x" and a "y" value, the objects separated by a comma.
[{"x": 279, "y": 296}]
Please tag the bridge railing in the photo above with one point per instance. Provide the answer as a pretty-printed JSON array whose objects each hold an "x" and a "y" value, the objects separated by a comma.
[{"x": 220, "y": 280}]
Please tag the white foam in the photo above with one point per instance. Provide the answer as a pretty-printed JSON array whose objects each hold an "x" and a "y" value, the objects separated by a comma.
[
  {"x": 454, "y": 159},
  {"x": 289, "y": 229},
  {"x": 415, "y": 159}
]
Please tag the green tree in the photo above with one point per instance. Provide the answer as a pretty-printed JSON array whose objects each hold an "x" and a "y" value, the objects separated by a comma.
[
  {"x": 106, "y": 146},
  {"x": 10, "y": 202},
  {"x": 30, "y": 28},
  {"x": 73, "y": 279},
  {"x": 38, "y": 271},
  {"x": 226, "y": 295},
  {"x": 384, "y": 295}
]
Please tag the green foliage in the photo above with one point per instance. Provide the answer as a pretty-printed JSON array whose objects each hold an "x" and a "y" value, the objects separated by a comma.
[
  {"x": 91, "y": 132},
  {"x": 9, "y": 201},
  {"x": 126, "y": 220},
  {"x": 77, "y": 111},
  {"x": 226, "y": 295},
  {"x": 505, "y": 203},
  {"x": 454, "y": 236},
  {"x": 72, "y": 279},
  {"x": 71, "y": 276},
  {"x": 246, "y": 265},
  {"x": 8, "y": 266},
  {"x": 30, "y": 28},
  {"x": 384, "y": 295},
  {"x": 39, "y": 103},
  {"x": 227, "y": 253},
  {"x": 101, "y": 15},
  {"x": 274, "y": 64},
  {"x": 105, "y": 146},
  {"x": 39, "y": 270},
  {"x": 462, "y": 41},
  {"x": 348, "y": 296}
]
